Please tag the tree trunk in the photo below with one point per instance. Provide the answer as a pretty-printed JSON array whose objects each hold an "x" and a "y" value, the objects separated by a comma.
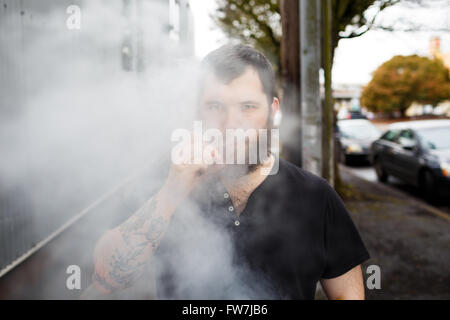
[{"x": 290, "y": 73}]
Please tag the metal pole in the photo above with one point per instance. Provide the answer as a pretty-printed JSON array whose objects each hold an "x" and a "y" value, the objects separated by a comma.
[
  {"x": 310, "y": 86},
  {"x": 328, "y": 141}
]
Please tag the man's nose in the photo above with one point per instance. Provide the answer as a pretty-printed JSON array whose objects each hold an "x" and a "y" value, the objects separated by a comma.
[{"x": 232, "y": 120}]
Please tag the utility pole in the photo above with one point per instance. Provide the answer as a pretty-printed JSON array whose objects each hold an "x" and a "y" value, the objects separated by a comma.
[
  {"x": 290, "y": 73},
  {"x": 328, "y": 136},
  {"x": 311, "y": 110}
]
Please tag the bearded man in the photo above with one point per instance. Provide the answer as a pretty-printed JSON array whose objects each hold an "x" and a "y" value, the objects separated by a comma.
[{"x": 221, "y": 230}]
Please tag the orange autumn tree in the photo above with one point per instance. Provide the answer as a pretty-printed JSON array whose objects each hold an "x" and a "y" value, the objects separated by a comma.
[{"x": 399, "y": 82}]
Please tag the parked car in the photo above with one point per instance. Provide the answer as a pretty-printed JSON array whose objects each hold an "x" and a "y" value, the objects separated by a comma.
[
  {"x": 354, "y": 114},
  {"x": 417, "y": 152},
  {"x": 354, "y": 138}
]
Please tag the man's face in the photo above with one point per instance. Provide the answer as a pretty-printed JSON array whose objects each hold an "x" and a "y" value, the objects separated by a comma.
[{"x": 239, "y": 104}]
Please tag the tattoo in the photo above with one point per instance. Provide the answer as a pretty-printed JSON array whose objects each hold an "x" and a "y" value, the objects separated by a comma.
[
  {"x": 155, "y": 231},
  {"x": 126, "y": 267},
  {"x": 142, "y": 234},
  {"x": 102, "y": 282},
  {"x": 138, "y": 220}
]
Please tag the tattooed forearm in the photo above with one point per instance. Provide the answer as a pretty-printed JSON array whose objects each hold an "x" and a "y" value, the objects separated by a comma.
[
  {"x": 155, "y": 231},
  {"x": 137, "y": 222},
  {"x": 128, "y": 248},
  {"x": 126, "y": 267}
]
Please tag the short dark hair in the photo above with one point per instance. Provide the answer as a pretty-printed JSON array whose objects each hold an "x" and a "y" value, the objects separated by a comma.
[{"x": 230, "y": 61}]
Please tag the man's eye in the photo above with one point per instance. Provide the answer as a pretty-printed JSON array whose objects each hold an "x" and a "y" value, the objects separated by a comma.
[
  {"x": 214, "y": 107},
  {"x": 248, "y": 107}
]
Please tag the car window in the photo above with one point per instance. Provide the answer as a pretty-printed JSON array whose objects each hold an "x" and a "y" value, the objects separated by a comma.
[
  {"x": 359, "y": 131},
  {"x": 436, "y": 138},
  {"x": 407, "y": 134},
  {"x": 406, "y": 137},
  {"x": 391, "y": 135}
]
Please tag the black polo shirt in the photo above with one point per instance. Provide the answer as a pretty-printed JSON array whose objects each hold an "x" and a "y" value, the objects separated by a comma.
[{"x": 294, "y": 231}]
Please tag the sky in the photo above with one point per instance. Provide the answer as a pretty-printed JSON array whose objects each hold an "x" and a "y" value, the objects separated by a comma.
[
  {"x": 357, "y": 58},
  {"x": 207, "y": 35}
]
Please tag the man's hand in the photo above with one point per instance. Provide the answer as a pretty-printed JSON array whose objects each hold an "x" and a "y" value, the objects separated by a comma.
[
  {"x": 184, "y": 176},
  {"x": 121, "y": 253}
]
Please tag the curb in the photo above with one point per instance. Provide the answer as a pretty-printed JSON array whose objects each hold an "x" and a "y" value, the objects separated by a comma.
[{"x": 436, "y": 212}]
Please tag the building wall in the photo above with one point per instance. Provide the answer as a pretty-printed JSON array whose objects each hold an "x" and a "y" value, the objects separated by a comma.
[{"x": 44, "y": 63}]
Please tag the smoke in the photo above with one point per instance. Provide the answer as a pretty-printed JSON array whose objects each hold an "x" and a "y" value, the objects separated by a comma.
[
  {"x": 75, "y": 124},
  {"x": 205, "y": 263}
]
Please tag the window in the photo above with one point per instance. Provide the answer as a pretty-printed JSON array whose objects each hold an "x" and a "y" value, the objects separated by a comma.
[
  {"x": 436, "y": 138},
  {"x": 406, "y": 138},
  {"x": 391, "y": 135},
  {"x": 407, "y": 134}
]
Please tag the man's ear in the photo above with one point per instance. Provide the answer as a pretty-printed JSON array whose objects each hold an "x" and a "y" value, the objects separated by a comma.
[{"x": 275, "y": 107}]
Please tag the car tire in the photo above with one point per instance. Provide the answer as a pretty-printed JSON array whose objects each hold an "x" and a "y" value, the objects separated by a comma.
[{"x": 382, "y": 176}]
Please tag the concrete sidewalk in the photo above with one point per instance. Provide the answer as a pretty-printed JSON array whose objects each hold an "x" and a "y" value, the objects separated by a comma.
[{"x": 408, "y": 240}]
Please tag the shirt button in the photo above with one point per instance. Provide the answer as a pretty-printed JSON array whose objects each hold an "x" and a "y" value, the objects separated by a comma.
[
  {"x": 237, "y": 223},
  {"x": 230, "y": 208},
  {"x": 226, "y": 195}
]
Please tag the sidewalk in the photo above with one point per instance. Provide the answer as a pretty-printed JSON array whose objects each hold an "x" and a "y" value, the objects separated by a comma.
[{"x": 408, "y": 241}]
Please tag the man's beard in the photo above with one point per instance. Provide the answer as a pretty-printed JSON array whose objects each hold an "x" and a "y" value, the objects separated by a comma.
[{"x": 263, "y": 155}]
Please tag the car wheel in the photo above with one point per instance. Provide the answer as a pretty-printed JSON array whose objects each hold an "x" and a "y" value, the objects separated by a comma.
[
  {"x": 379, "y": 170},
  {"x": 428, "y": 187}
]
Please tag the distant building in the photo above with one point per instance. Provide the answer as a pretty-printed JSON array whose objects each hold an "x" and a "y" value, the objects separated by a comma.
[
  {"x": 435, "y": 52},
  {"x": 347, "y": 96}
]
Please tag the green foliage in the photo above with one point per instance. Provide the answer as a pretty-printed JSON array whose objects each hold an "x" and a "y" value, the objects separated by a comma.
[{"x": 399, "y": 82}]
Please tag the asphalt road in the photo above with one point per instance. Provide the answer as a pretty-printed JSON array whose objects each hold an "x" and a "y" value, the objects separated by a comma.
[{"x": 367, "y": 172}]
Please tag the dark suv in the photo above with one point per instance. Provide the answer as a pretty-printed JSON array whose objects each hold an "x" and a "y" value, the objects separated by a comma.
[{"x": 417, "y": 152}]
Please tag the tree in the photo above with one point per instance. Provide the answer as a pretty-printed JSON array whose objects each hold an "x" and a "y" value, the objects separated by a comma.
[
  {"x": 258, "y": 22},
  {"x": 402, "y": 80}
]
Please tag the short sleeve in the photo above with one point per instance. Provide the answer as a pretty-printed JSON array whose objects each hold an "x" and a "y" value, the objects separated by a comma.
[{"x": 344, "y": 248}]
